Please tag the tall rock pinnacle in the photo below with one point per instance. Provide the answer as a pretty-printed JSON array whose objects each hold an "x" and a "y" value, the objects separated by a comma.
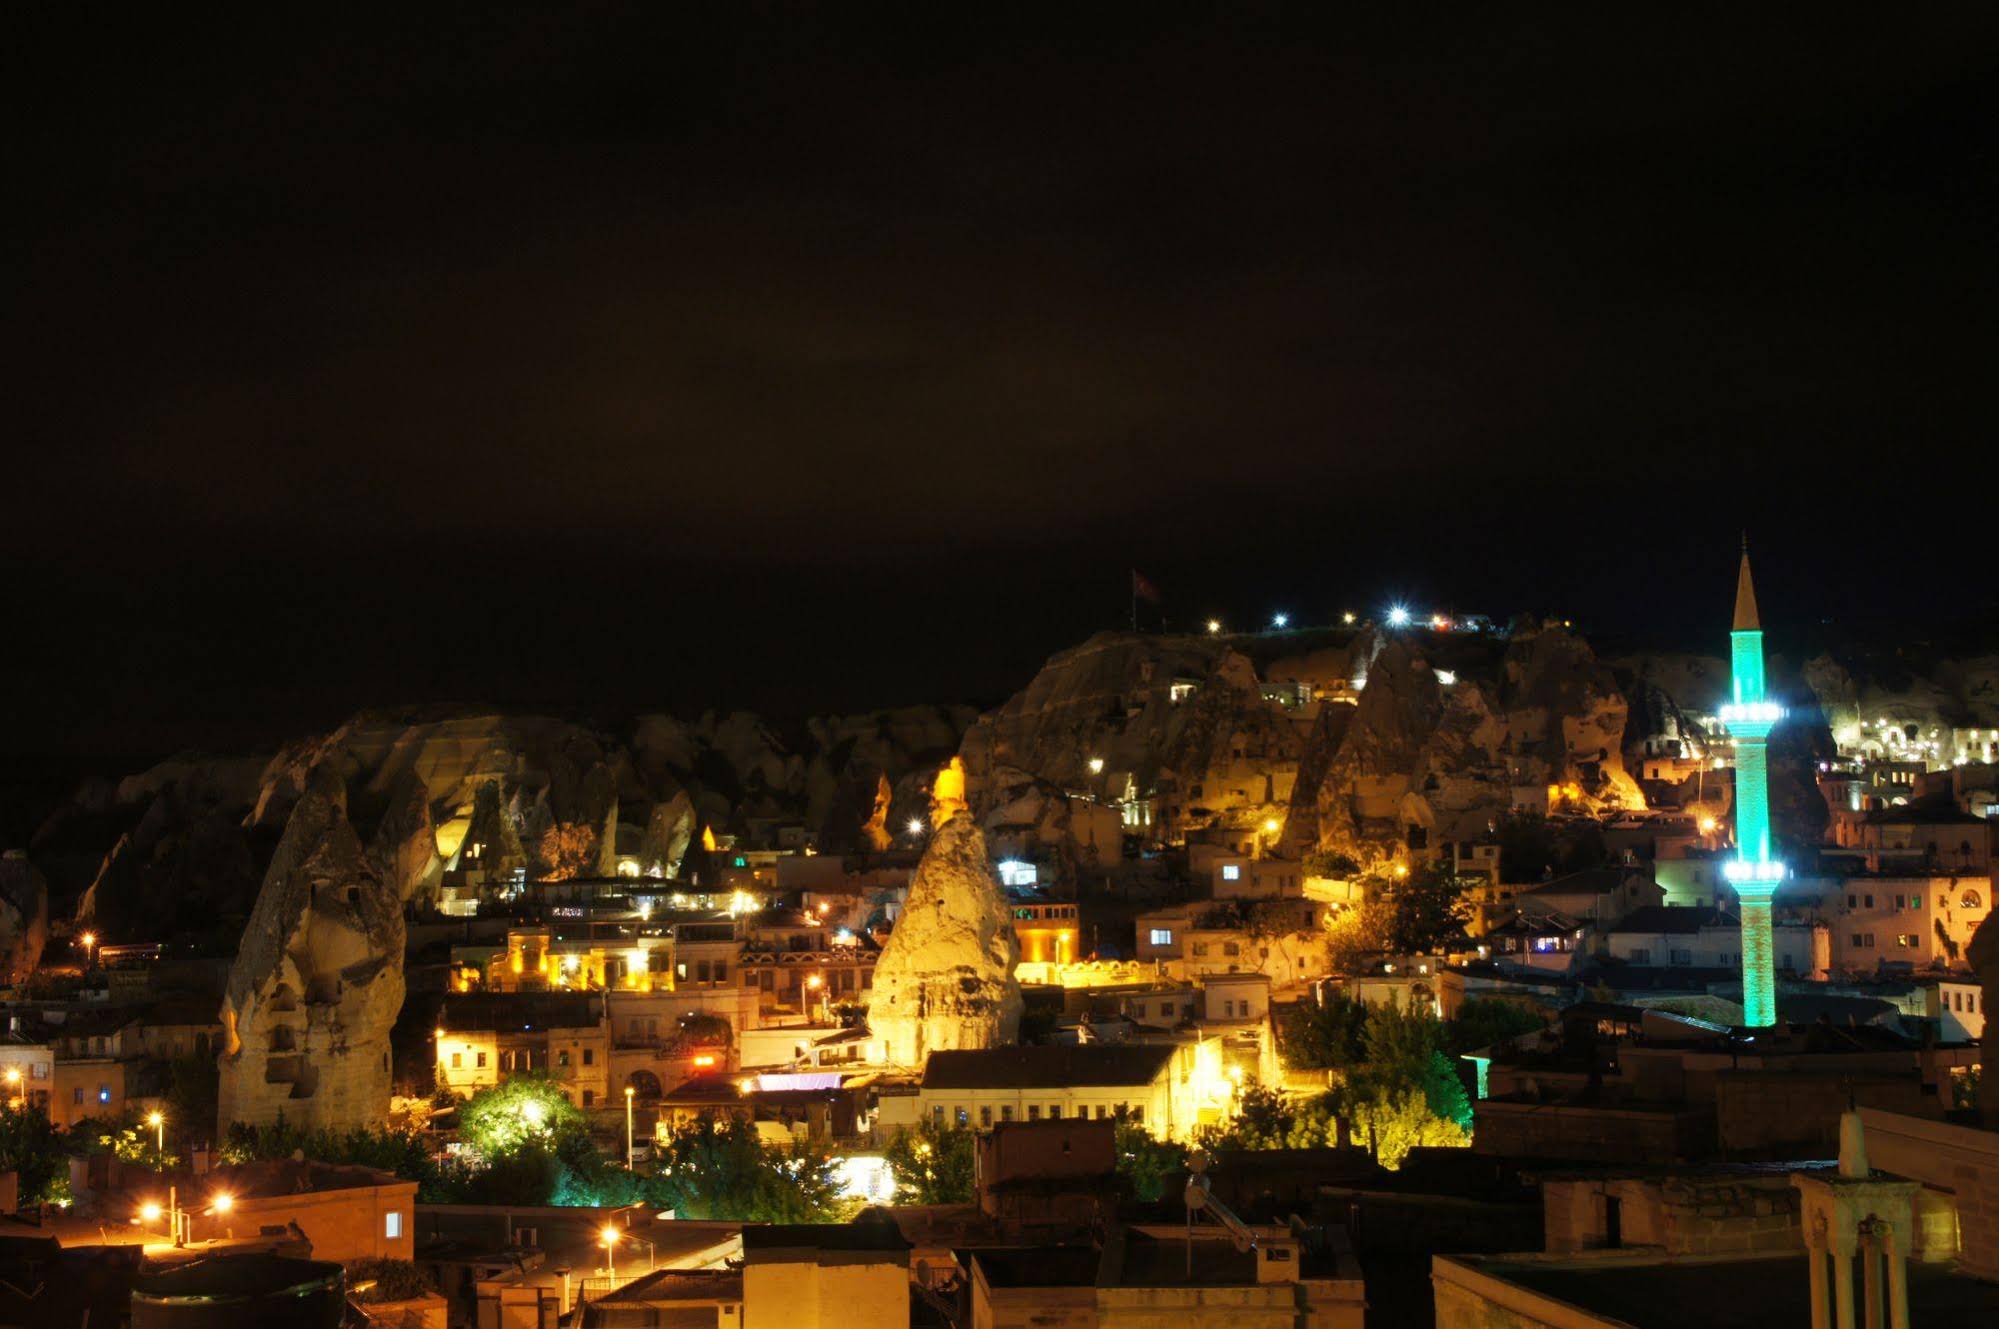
[{"x": 945, "y": 980}]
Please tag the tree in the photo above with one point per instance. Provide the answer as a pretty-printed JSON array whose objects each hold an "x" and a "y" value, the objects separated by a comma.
[
  {"x": 1322, "y": 1036},
  {"x": 1267, "y": 1120},
  {"x": 1426, "y": 908},
  {"x": 1145, "y": 1161},
  {"x": 727, "y": 1172},
  {"x": 931, "y": 1163},
  {"x": 1391, "y": 1122},
  {"x": 1356, "y": 936},
  {"x": 34, "y": 1151},
  {"x": 1483, "y": 1021},
  {"x": 525, "y": 1109}
]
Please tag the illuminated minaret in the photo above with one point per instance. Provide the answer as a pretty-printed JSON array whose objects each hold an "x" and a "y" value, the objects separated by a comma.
[{"x": 1754, "y": 873}]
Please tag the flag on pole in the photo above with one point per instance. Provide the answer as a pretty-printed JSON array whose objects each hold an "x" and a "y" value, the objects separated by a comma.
[{"x": 1141, "y": 589}]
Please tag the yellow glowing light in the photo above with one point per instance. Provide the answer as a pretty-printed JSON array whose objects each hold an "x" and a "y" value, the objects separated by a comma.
[
  {"x": 915, "y": 826},
  {"x": 154, "y": 1119},
  {"x": 1271, "y": 826},
  {"x": 703, "y": 1060},
  {"x": 1347, "y": 618},
  {"x": 814, "y": 981},
  {"x": 609, "y": 1236},
  {"x": 89, "y": 940},
  {"x": 1214, "y": 626},
  {"x": 224, "y": 1202},
  {"x": 748, "y": 1086},
  {"x": 150, "y": 1212},
  {"x": 708, "y": 838},
  {"x": 1401, "y": 870},
  {"x": 1708, "y": 825},
  {"x": 1096, "y": 765},
  {"x": 13, "y": 1075},
  {"x": 629, "y": 1091}
]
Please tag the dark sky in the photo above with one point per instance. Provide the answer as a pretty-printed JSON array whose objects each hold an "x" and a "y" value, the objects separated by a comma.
[{"x": 669, "y": 357}]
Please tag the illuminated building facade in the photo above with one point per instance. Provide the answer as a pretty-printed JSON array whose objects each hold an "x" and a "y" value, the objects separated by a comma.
[{"x": 1754, "y": 873}]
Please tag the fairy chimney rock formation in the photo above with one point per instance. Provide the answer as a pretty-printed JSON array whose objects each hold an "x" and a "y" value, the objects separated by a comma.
[
  {"x": 318, "y": 981},
  {"x": 945, "y": 980}
]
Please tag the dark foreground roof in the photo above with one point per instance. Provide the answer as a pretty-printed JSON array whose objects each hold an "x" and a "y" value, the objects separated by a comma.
[{"x": 1093, "y": 1065}]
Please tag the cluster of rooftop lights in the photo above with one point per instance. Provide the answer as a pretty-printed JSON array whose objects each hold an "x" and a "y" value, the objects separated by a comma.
[{"x": 1398, "y": 616}]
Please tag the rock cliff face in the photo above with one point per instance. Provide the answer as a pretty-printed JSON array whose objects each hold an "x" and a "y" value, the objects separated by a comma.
[
  {"x": 24, "y": 917},
  {"x": 182, "y": 846},
  {"x": 1180, "y": 717},
  {"x": 318, "y": 981},
  {"x": 945, "y": 979},
  {"x": 1422, "y": 761}
]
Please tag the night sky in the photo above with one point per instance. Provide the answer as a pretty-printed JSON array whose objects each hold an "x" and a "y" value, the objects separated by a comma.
[{"x": 807, "y": 359}]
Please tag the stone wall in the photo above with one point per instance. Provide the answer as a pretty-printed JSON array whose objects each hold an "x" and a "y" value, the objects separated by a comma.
[
  {"x": 1769, "y": 1114},
  {"x": 1584, "y": 1133}
]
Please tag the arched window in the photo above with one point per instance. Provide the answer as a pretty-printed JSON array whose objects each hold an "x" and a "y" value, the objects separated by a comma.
[{"x": 1971, "y": 900}]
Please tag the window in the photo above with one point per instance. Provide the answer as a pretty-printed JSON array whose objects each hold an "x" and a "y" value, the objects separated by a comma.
[
  {"x": 1006, "y": 1112},
  {"x": 1100, "y": 1112},
  {"x": 457, "y": 1061},
  {"x": 1906, "y": 940},
  {"x": 1231, "y": 872},
  {"x": 589, "y": 1056},
  {"x": 1138, "y": 1113},
  {"x": 562, "y": 1057},
  {"x": 482, "y": 1060},
  {"x": 1641, "y": 955},
  {"x": 104, "y": 1093},
  {"x": 964, "y": 1118},
  {"x": 1161, "y": 936},
  {"x": 392, "y": 1224},
  {"x": 1853, "y": 902},
  {"x": 1200, "y": 948},
  {"x": 1971, "y": 900},
  {"x": 78, "y": 1092},
  {"x": 1679, "y": 957},
  {"x": 589, "y": 1097},
  {"x": 985, "y": 1118},
  {"x": 1034, "y": 1112},
  {"x": 1869, "y": 899},
  {"x": 1230, "y": 948},
  {"x": 937, "y": 1113}
]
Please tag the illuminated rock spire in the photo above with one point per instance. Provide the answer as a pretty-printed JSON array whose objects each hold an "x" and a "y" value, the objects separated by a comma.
[{"x": 1750, "y": 717}]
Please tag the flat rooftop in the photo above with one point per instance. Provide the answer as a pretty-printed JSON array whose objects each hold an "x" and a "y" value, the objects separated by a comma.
[{"x": 1730, "y": 1294}]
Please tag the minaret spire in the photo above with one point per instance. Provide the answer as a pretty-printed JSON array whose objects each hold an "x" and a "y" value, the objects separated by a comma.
[{"x": 1746, "y": 617}]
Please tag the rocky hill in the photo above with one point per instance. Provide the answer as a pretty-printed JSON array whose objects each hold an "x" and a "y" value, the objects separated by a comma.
[{"x": 182, "y": 846}]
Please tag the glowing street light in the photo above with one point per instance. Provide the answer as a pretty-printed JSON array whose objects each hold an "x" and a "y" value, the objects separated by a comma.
[
  {"x": 1280, "y": 620},
  {"x": 609, "y": 1236},
  {"x": 1347, "y": 618},
  {"x": 223, "y": 1202},
  {"x": 150, "y": 1212},
  {"x": 158, "y": 1122},
  {"x": 1214, "y": 627},
  {"x": 1096, "y": 765},
  {"x": 915, "y": 828},
  {"x": 1398, "y": 616},
  {"x": 629, "y": 1164}
]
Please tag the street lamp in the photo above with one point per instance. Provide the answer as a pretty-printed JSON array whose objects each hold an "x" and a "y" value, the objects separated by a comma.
[
  {"x": 629, "y": 1091},
  {"x": 609, "y": 1236},
  {"x": 89, "y": 940},
  {"x": 158, "y": 1122}
]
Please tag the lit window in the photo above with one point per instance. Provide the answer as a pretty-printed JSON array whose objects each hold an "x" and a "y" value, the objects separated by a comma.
[
  {"x": 392, "y": 1224},
  {"x": 1162, "y": 936},
  {"x": 103, "y": 1093},
  {"x": 1231, "y": 872}
]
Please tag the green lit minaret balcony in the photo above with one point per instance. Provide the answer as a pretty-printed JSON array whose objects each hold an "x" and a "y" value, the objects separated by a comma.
[{"x": 1754, "y": 872}]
